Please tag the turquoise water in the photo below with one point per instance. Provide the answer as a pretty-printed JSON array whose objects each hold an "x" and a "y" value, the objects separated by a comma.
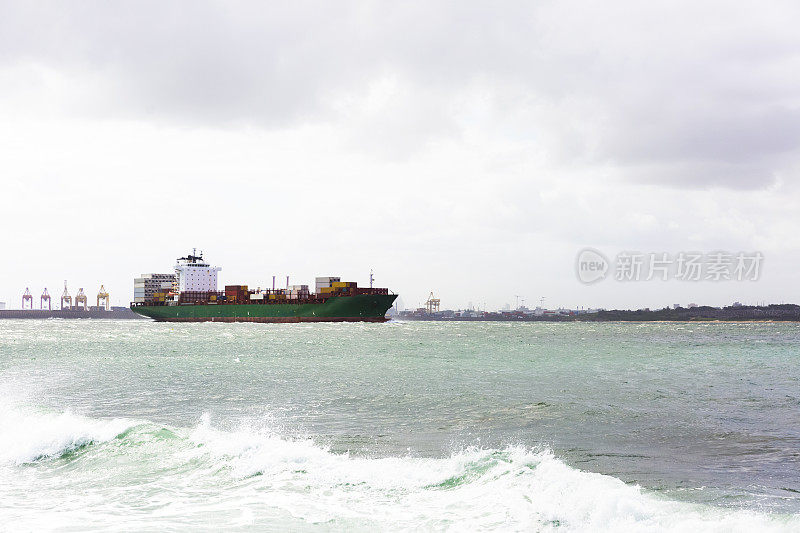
[{"x": 400, "y": 426}]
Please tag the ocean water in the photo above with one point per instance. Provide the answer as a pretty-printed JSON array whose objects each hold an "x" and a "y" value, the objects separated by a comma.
[{"x": 143, "y": 426}]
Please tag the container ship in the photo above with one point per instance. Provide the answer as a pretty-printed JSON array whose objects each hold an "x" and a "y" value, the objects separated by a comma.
[{"x": 191, "y": 295}]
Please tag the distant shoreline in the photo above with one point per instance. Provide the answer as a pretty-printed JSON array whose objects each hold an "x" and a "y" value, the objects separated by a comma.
[
  {"x": 567, "y": 321},
  {"x": 700, "y": 314}
]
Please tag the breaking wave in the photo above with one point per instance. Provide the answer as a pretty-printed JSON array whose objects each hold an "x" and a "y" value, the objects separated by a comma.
[
  {"x": 26, "y": 438},
  {"x": 146, "y": 475}
]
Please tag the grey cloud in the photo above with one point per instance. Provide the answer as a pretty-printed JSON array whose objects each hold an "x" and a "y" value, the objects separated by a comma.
[{"x": 697, "y": 95}]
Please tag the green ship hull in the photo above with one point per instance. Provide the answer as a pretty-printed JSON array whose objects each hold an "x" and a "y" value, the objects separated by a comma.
[{"x": 359, "y": 308}]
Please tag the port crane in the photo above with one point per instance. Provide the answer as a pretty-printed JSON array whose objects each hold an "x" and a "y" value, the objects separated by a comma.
[
  {"x": 80, "y": 298},
  {"x": 27, "y": 297},
  {"x": 45, "y": 296},
  {"x": 432, "y": 305},
  {"x": 105, "y": 297},
  {"x": 66, "y": 298}
]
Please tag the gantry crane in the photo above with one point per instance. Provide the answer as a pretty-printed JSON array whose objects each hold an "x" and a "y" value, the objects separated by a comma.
[
  {"x": 66, "y": 298},
  {"x": 432, "y": 305},
  {"x": 81, "y": 298},
  {"x": 27, "y": 297},
  {"x": 45, "y": 296},
  {"x": 104, "y": 296}
]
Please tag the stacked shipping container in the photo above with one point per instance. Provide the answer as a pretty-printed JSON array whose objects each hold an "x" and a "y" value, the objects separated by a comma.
[
  {"x": 236, "y": 293},
  {"x": 325, "y": 282},
  {"x": 152, "y": 287},
  {"x": 155, "y": 288}
]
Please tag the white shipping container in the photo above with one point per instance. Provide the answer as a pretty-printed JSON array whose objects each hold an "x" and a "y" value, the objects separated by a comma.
[{"x": 325, "y": 282}]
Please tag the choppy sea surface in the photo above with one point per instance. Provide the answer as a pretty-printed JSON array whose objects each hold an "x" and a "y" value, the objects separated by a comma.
[{"x": 137, "y": 425}]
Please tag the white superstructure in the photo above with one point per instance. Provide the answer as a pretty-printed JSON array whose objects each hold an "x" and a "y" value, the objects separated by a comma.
[{"x": 193, "y": 273}]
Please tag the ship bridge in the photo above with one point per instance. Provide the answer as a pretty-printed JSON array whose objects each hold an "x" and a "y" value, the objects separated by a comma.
[{"x": 193, "y": 273}]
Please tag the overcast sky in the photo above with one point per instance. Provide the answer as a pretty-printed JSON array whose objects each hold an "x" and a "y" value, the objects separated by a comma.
[{"x": 470, "y": 149}]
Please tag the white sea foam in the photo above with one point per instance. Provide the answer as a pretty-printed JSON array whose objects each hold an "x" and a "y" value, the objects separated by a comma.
[
  {"x": 261, "y": 478},
  {"x": 510, "y": 489},
  {"x": 26, "y": 437}
]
